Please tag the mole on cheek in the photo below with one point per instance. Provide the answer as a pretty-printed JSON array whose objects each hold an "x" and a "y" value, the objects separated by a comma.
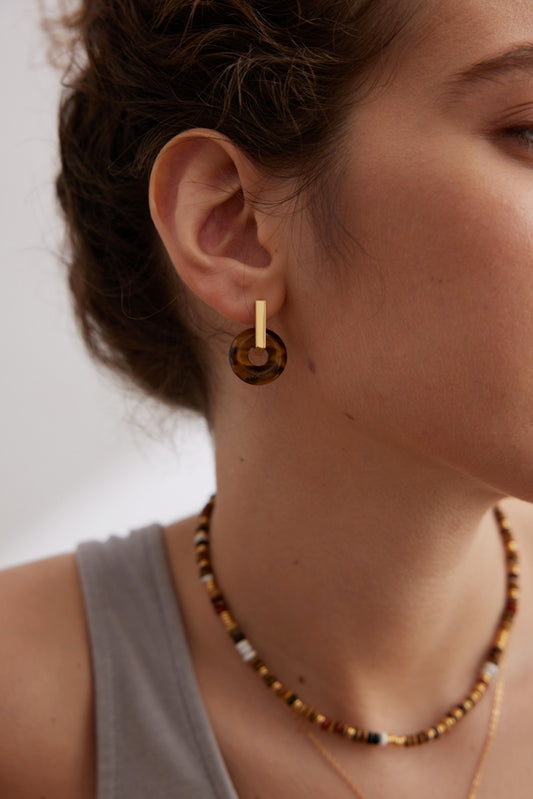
[{"x": 311, "y": 365}]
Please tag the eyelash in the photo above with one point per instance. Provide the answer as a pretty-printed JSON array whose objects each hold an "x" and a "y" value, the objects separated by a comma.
[{"x": 519, "y": 134}]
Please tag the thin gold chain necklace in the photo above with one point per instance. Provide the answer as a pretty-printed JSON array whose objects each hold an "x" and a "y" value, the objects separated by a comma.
[{"x": 473, "y": 787}]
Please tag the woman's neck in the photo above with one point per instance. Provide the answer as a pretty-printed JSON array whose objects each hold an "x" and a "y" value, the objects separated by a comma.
[{"x": 370, "y": 582}]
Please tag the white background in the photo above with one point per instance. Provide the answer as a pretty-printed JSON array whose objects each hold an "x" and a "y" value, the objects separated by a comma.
[{"x": 80, "y": 459}]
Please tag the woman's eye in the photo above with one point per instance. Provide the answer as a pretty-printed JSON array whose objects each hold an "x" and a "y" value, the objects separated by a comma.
[{"x": 523, "y": 136}]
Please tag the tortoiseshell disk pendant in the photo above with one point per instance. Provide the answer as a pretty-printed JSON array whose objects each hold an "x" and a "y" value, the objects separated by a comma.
[{"x": 239, "y": 358}]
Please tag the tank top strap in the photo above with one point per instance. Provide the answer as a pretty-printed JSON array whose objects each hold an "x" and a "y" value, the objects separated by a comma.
[{"x": 153, "y": 734}]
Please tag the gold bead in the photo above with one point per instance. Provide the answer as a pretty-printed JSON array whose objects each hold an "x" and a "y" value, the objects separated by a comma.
[
  {"x": 458, "y": 713},
  {"x": 431, "y": 733},
  {"x": 320, "y": 719},
  {"x": 501, "y": 639},
  {"x": 441, "y": 727},
  {"x": 514, "y": 593},
  {"x": 299, "y": 706},
  {"x": 230, "y": 625},
  {"x": 349, "y": 732}
]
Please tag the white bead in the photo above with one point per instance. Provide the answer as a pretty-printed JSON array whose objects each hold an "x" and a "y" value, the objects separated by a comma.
[
  {"x": 250, "y": 656},
  {"x": 490, "y": 668},
  {"x": 246, "y": 650},
  {"x": 201, "y": 538},
  {"x": 383, "y": 738},
  {"x": 206, "y": 577}
]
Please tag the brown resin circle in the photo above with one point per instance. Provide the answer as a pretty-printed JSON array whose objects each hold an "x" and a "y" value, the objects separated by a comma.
[{"x": 239, "y": 358}]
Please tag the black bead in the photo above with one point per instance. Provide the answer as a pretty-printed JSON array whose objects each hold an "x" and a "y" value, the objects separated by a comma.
[
  {"x": 237, "y": 635},
  {"x": 292, "y": 699}
]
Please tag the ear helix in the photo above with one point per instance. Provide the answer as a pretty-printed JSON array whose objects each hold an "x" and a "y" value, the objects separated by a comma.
[{"x": 256, "y": 342}]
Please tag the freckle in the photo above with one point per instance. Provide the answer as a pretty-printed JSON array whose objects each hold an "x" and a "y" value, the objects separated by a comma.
[
  {"x": 350, "y": 417},
  {"x": 296, "y": 563},
  {"x": 241, "y": 459},
  {"x": 311, "y": 365},
  {"x": 301, "y": 679}
]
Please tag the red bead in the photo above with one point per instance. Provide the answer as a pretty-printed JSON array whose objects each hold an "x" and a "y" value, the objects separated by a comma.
[{"x": 326, "y": 724}]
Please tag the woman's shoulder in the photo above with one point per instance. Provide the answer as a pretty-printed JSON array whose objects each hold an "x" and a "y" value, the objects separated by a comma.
[{"x": 46, "y": 694}]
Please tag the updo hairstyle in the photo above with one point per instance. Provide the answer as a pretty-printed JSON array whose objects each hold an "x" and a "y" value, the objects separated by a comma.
[{"x": 275, "y": 76}]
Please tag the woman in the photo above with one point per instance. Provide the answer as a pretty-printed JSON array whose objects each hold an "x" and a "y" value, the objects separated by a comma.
[{"x": 365, "y": 168}]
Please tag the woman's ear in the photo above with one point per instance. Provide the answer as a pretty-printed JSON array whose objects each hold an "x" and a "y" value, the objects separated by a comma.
[{"x": 221, "y": 244}]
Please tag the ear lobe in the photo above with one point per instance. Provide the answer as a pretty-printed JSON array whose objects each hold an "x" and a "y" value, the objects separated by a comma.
[{"x": 215, "y": 237}]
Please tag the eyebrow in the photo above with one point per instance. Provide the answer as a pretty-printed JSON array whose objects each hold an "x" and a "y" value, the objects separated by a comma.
[{"x": 517, "y": 59}]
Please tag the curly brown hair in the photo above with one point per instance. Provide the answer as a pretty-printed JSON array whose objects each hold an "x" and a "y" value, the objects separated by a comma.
[{"x": 274, "y": 77}]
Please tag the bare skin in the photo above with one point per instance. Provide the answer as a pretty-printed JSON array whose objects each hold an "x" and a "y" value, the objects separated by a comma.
[
  {"x": 353, "y": 534},
  {"x": 47, "y": 733}
]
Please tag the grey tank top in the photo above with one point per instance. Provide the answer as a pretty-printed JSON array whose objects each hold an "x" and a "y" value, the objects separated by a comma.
[{"x": 154, "y": 740}]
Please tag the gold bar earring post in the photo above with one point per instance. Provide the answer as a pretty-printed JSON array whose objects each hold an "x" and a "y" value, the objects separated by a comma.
[{"x": 260, "y": 324}]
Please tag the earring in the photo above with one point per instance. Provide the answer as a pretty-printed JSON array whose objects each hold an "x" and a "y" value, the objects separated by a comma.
[{"x": 268, "y": 343}]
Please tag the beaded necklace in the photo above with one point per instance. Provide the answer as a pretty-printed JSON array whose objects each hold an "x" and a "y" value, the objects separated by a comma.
[
  {"x": 474, "y": 783},
  {"x": 488, "y": 669}
]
